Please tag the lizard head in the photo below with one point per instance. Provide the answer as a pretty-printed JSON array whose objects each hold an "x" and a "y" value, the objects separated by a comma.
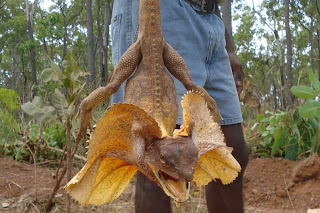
[{"x": 172, "y": 161}]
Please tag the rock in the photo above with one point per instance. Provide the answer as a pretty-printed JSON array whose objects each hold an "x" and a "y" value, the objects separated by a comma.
[
  {"x": 5, "y": 205},
  {"x": 58, "y": 195},
  {"x": 313, "y": 211},
  {"x": 306, "y": 170},
  {"x": 281, "y": 193},
  {"x": 254, "y": 191}
]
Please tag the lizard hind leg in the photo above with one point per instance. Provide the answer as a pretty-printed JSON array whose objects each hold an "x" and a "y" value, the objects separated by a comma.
[{"x": 177, "y": 67}]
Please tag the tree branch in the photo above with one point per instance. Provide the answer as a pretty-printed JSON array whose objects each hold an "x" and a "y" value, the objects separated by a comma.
[
  {"x": 261, "y": 17},
  {"x": 298, "y": 14},
  {"x": 62, "y": 151},
  {"x": 4, "y": 4}
]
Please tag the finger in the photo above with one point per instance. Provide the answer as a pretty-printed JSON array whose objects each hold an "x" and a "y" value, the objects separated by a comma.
[{"x": 239, "y": 89}]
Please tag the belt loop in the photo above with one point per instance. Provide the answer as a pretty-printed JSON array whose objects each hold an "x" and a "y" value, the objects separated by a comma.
[{"x": 203, "y": 5}]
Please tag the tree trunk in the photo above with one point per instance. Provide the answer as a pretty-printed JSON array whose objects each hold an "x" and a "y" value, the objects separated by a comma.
[
  {"x": 44, "y": 41},
  {"x": 289, "y": 96},
  {"x": 14, "y": 67},
  {"x": 318, "y": 35},
  {"x": 30, "y": 35},
  {"x": 100, "y": 43},
  {"x": 282, "y": 86},
  {"x": 90, "y": 44},
  {"x": 107, "y": 22},
  {"x": 69, "y": 159},
  {"x": 274, "y": 92},
  {"x": 281, "y": 68},
  {"x": 274, "y": 87},
  {"x": 312, "y": 42},
  {"x": 65, "y": 34},
  {"x": 227, "y": 16}
]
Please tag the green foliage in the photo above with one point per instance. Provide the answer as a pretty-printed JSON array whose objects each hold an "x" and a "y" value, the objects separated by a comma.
[
  {"x": 293, "y": 134},
  {"x": 37, "y": 141},
  {"x": 286, "y": 134},
  {"x": 70, "y": 79},
  {"x": 43, "y": 113},
  {"x": 53, "y": 117},
  {"x": 303, "y": 91},
  {"x": 9, "y": 104},
  {"x": 311, "y": 108},
  {"x": 55, "y": 136},
  {"x": 16, "y": 150},
  {"x": 9, "y": 99},
  {"x": 50, "y": 27}
]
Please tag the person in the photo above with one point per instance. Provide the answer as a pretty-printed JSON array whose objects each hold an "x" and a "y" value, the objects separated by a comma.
[{"x": 197, "y": 33}]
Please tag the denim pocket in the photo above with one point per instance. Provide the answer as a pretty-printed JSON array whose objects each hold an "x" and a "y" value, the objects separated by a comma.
[{"x": 115, "y": 36}]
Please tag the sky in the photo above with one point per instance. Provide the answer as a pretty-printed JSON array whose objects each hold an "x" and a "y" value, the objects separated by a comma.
[
  {"x": 48, "y": 3},
  {"x": 256, "y": 2}
]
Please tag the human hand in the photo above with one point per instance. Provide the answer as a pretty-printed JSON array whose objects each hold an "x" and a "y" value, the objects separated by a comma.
[{"x": 238, "y": 74}]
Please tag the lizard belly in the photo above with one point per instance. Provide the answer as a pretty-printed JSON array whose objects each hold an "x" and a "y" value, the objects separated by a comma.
[{"x": 154, "y": 93}]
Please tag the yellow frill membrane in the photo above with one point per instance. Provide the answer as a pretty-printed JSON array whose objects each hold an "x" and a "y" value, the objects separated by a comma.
[
  {"x": 104, "y": 177},
  {"x": 110, "y": 164},
  {"x": 215, "y": 158}
]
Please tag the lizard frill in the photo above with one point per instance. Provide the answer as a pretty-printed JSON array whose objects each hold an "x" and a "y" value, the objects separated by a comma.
[
  {"x": 110, "y": 165},
  {"x": 215, "y": 158}
]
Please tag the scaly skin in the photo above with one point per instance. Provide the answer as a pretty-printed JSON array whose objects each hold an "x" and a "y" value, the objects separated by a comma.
[{"x": 152, "y": 89}]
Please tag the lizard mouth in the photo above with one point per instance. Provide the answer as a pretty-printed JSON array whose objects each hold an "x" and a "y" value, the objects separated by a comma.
[{"x": 177, "y": 189}]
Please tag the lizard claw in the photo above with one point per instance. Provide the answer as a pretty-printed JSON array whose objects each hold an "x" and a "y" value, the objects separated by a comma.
[
  {"x": 85, "y": 117},
  {"x": 78, "y": 114},
  {"x": 94, "y": 120},
  {"x": 90, "y": 127}
]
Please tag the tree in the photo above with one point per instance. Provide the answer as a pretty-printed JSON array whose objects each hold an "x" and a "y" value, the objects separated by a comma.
[
  {"x": 227, "y": 16},
  {"x": 105, "y": 47},
  {"x": 30, "y": 15},
  {"x": 90, "y": 44},
  {"x": 289, "y": 84}
]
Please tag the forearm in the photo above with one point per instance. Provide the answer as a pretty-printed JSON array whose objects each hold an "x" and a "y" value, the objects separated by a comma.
[{"x": 234, "y": 61}]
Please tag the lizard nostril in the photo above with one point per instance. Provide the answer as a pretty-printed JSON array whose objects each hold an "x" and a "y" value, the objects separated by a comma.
[{"x": 188, "y": 176}]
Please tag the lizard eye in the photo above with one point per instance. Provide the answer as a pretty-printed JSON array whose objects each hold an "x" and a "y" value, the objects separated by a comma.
[{"x": 162, "y": 160}]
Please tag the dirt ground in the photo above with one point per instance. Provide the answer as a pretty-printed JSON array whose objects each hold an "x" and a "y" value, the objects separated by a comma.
[{"x": 270, "y": 185}]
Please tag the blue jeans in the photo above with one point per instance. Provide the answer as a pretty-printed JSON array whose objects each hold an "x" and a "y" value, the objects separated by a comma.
[{"x": 197, "y": 37}]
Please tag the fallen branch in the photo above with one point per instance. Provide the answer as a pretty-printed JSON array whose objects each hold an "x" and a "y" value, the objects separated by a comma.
[
  {"x": 59, "y": 178},
  {"x": 55, "y": 189},
  {"x": 35, "y": 168},
  {"x": 35, "y": 207},
  {"x": 62, "y": 151},
  {"x": 12, "y": 182},
  {"x": 287, "y": 190}
]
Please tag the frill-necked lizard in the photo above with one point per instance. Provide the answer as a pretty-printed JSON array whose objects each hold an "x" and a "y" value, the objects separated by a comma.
[{"x": 138, "y": 135}]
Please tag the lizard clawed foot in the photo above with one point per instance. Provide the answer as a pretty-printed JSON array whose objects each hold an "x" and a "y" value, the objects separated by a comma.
[
  {"x": 211, "y": 103},
  {"x": 85, "y": 116}
]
